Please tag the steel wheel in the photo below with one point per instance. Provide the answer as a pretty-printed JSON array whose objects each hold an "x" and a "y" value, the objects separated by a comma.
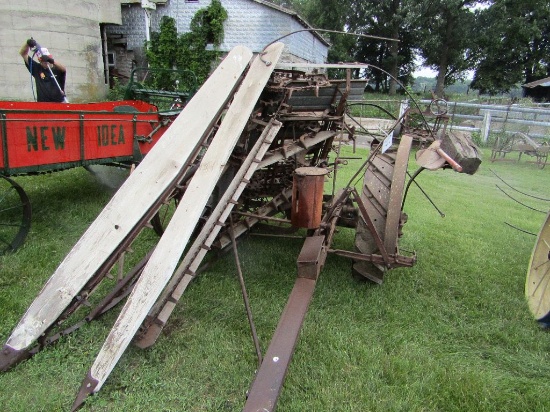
[
  {"x": 382, "y": 196},
  {"x": 15, "y": 215},
  {"x": 537, "y": 285}
]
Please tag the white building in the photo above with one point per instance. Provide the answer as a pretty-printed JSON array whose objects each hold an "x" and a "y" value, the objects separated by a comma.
[
  {"x": 253, "y": 23},
  {"x": 95, "y": 37}
]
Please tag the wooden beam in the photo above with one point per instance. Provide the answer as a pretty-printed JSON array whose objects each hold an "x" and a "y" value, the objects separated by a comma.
[
  {"x": 132, "y": 201},
  {"x": 164, "y": 259}
]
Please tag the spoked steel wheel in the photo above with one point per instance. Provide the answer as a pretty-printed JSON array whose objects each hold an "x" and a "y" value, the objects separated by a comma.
[
  {"x": 15, "y": 215},
  {"x": 537, "y": 285},
  {"x": 382, "y": 196}
]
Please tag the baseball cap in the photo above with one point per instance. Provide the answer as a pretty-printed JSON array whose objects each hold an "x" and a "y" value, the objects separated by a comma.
[{"x": 43, "y": 52}]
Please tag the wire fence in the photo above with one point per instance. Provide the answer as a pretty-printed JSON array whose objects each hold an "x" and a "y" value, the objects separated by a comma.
[
  {"x": 482, "y": 119},
  {"x": 486, "y": 119}
]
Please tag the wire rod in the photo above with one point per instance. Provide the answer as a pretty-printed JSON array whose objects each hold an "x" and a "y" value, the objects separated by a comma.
[
  {"x": 523, "y": 204},
  {"x": 521, "y": 230},
  {"x": 368, "y": 36},
  {"x": 244, "y": 293},
  {"x": 412, "y": 179},
  {"x": 519, "y": 191}
]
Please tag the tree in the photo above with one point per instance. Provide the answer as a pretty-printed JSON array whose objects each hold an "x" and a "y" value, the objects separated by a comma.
[
  {"x": 446, "y": 30},
  {"x": 162, "y": 50},
  {"x": 167, "y": 50},
  {"x": 514, "y": 46},
  {"x": 382, "y": 18},
  {"x": 388, "y": 19},
  {"x": 330, "y": 15}
]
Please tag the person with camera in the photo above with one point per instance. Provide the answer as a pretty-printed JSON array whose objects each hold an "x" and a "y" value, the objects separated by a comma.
[{"x": 49, "y": 75}]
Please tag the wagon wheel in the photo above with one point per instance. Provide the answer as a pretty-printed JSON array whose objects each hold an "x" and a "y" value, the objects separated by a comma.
[
  {"x": 439, "y": 107},
  {"x": 542, "y": 156},
  {"x": 15, "y": 215},
  {"x": 382, "y": 196},
  {"x": 537, "y": 285}
]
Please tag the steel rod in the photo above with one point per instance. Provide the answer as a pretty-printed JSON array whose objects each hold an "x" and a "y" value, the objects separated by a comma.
[
  {"x": 412, "y": 180},
  {"x": 245, "y": 294},
  {"x": 269, "y": 381}
]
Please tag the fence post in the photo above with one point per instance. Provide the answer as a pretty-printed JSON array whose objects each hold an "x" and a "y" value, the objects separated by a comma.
[
  {"x": 486, "y": 126},
  {"x": 403, "y": 107},
  {"x": 505, "y": 124}
]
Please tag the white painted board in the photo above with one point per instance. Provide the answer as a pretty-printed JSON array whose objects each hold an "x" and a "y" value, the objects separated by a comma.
[
  {"x": 134, "y": 198},
  {"x": 164, "y": 259}
]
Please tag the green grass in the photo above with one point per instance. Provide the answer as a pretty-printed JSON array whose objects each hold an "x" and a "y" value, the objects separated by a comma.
[{"x": 453, "y": 333}]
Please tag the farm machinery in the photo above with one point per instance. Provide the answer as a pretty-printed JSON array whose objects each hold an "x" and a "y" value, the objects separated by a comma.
[
  {"x": 521, "y": 143},
  {"x": 251, "y": 151}
]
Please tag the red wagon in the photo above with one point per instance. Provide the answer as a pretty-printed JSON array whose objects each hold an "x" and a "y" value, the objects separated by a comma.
[{"x": 45, "y": 137}]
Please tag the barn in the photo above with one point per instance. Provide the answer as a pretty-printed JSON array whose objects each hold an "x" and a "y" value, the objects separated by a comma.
[{"x": 538, "y": 90}]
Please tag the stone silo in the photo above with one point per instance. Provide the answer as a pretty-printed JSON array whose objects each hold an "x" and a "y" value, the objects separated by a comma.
[{"x": 73, "y": 33}]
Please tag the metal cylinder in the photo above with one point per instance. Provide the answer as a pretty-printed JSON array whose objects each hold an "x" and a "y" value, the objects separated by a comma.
[{"x": 307, "y": 197}]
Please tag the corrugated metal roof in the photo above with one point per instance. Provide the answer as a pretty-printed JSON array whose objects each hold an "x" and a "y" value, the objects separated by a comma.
[{"x": 542, "y": 82}]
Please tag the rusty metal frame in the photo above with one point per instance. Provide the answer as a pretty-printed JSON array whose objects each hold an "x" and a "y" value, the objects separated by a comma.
[
  {"x": 268, "y": 382},
  {"x": 273, "y": 368}
]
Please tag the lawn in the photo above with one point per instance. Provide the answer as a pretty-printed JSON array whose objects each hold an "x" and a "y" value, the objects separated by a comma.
[{"x": 453, "y": 333}]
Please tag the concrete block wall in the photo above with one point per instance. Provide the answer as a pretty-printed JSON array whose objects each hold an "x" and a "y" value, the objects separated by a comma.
[{"x": 70, "y": 30}]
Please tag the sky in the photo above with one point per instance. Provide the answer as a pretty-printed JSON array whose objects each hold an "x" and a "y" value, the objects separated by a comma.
[
  {"x": 424, "y": 72},
  {"x": 427, "y": 72}
]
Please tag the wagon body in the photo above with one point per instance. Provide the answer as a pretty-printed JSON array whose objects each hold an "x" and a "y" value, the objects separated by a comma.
[
  {"x": 42, "y": 137},
  {"x": 48, "y": 137}
]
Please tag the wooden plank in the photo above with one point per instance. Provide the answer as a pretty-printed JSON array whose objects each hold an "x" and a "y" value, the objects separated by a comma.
[
  {"x": 134, "y": 198},
  {"x": 460, "y": 147},
  {"x": 393, "y": 218},
  {"x": 164, "y": 259},
  {"x": 166, "y": 303}
]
